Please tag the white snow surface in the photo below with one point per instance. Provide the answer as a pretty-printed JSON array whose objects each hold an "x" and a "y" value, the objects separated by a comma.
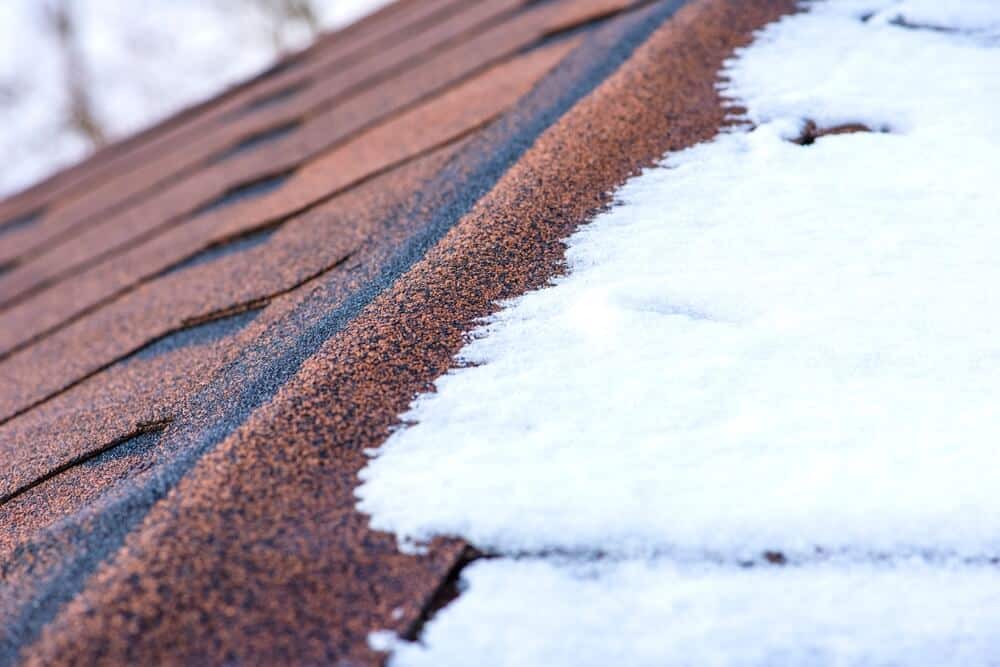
[
  {"x": 145, "y": 60},
  {"x": 763, "y": 347},
  {"x": 641, "y": 614}
]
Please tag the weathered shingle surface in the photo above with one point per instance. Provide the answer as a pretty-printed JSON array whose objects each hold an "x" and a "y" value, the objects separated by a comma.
[{"x": 203, "y": 327}]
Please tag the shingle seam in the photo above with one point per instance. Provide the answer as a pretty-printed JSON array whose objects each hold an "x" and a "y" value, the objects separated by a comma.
[
  {"x": 36, "y": 196},
  {"x": 122, "y": 512},
  {"x": 115, "y": 514},
  {"x": 209, "y": 124},
  {"x": 35, "y": 248},
  {"x": 156, "y": 231},
  {"x": 358, "y": 56},
  {"x": 67, "y": 233},
  {"x": 275, "y": 224},
  {"x": 254, "y": 140},
  {"x": 47, "y": 391},
  {"x": 20, "y": 221},
  {"x": 210, "y": 121},
  {"x": 412, "y": 156},
  {"x": 229, "y": 311},
  {"x": 141, "y": 428},
  {"x": 446, "y": 592},
  {"x": 425, "y": 98}
]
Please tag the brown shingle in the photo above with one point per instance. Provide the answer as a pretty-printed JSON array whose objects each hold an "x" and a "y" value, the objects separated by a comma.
[
  {"x": 368, "y": 107},
  {"x": 85, "y": 346},
  {"x": 63, "y": 186},
  {"x": 175, "y": 154}
]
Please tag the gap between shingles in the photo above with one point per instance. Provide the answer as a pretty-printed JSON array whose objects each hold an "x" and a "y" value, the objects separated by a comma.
[
  {"x": 101, "y": 257},
  {"x": 279, "y": 222},
  {"x": 140, "y": 429},
  {"x": 20, "y": 221},
  {"x": 253, "y": 141},
  {"x": 264, "y": 300},
  {"x": 447, "y": 591},
  {"x": 542, "y": 41},
  {"x": 197, "y": 112},
  {"x": 253, "y": 304},
  {"x": 77, "y": 228},
  {"x": 358, "y": 55},
  {"x": 45, "y": 333}
]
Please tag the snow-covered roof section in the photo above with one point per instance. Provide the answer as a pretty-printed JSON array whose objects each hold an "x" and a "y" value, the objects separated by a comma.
[
  {"x": 777, "y": 348},
  {"x": 654, "y": 613}
]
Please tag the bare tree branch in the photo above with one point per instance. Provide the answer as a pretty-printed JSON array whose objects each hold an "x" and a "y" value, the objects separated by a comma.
[
  {"x": 283, "y": 13},
  {"x": 80, "y": 113}
]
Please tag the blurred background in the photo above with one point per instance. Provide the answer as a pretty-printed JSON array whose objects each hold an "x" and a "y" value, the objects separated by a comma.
[{"x": 77, "y": 74}]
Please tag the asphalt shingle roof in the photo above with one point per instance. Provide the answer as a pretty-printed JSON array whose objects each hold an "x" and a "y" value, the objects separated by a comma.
[{"x": 202, "y": 328}]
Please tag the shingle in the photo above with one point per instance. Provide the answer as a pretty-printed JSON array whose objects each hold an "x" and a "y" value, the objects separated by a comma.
[
  {"x": 168, "y": 206},
  {"x": 111, "y": 160},
  {"x": 174, "y": 156},
  {"x": 77, "y": 351}
]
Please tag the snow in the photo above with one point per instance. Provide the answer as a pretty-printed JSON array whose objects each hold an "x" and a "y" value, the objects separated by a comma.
[
  {"x": 145, "y": 60},
  {"x": 775, "y": 346},
  {"x": 383, "y": 640},
  {"x": 32, "y": 138},
  {"x": 639, "y": 614},
  {"x": 763, "y": 347}
]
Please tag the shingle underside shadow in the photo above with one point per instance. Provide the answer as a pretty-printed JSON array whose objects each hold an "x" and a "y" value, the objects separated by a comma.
[{"x": 186, "y": 373}]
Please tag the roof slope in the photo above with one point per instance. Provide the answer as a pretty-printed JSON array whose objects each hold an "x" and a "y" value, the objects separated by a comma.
[{"x": 202, "y": 328}]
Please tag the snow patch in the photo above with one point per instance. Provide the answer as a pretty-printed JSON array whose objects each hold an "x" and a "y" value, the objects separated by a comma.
[
  {"x": 643, "y": 614},
  {"x": 383, "y": 641},
  {"x": 764, "y": 348}
]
